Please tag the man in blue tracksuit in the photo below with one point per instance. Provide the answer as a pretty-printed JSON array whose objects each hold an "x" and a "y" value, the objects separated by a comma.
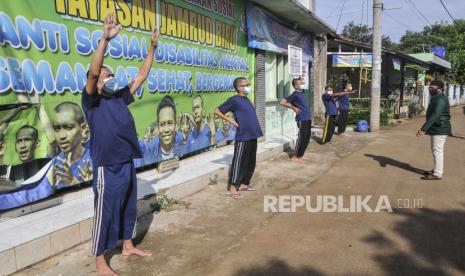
[
  {"x": 113, "y": 146},
  {"x": 299, "y": 103},
  {"x": 329, "y": 100},
  {"x": 343, "y": 109},
  {"x": 248, "y": 131},
  {"x": 331, "y": 112}
]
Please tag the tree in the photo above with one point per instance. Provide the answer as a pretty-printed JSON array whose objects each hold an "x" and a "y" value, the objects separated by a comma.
[
  {"x": 450, "y": 36},
  {"x": 364, "y": 33}
]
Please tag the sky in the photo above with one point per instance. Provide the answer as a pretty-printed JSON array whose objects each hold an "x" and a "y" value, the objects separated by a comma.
[{"x": 398, "y": 15}]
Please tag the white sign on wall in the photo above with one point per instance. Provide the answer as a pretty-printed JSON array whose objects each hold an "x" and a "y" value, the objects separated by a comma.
[{"x": 295, "y": 60}]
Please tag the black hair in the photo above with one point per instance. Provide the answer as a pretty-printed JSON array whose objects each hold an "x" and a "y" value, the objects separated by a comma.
[
  {"x": 236, "y": 80},
  {"x": 75, "y": 107},
  {"x": 166, "y": 101},
  {"x": 35, "y": 133},
  {"x": 294, "y": 81},
  {"x": 438, "y": 83}
]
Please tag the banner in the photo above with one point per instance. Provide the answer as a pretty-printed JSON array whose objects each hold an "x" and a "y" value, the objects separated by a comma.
[
  {"x": 352, "y": 60},
  {"x": 45, "y": 53},
  {"x": 266, "y": 33}
]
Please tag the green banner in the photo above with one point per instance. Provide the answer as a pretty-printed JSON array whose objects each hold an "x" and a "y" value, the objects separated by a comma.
[{"x": 46, "y": 50}]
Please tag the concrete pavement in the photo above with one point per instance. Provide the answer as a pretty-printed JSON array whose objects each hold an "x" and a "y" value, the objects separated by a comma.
[{"x": 209, "y": 234}]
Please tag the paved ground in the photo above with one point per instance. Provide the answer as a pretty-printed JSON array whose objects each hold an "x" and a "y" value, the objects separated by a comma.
[{"x": 213, "y": 235}]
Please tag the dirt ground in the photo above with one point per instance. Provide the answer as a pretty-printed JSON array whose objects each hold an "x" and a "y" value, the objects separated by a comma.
[{"x": 210, "y": 234}]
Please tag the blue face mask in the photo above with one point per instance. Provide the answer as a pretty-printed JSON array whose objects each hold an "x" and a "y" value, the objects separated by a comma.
[{"x": 110, "y": 86}]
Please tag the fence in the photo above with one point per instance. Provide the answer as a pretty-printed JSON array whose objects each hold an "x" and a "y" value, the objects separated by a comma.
[{"x": 456, "y": 94}]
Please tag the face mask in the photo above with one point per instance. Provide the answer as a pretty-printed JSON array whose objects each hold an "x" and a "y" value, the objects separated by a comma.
[
  {"x": 302, "y": 86},
  {"x": 247, "y": 89},
  {"x": 432, "y": 91},
  {"x": 329, "y": 92},
  {"x": 110, "y": 86}
]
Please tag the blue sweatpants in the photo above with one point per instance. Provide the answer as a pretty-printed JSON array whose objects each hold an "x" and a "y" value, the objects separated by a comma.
[{"x": 115, "y": 205}]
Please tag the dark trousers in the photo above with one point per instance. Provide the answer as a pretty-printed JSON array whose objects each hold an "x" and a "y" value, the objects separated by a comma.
[
  {"x": 329, "y": 128},
  {"x": 115, "y": 205},
  {"x": 243, "y": 163},
  {"x": 305, "y": 131},
  {"x": 342, "y": 121}
]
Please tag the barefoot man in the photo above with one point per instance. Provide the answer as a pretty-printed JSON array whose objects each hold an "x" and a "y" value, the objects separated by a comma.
[
  {"x": 113, "y": 146},
  {"x": 248, "y": 131},
  {"x": 299, "y": 104}
]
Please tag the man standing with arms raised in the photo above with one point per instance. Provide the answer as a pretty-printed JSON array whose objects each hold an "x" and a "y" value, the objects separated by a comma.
[{"x": 113, "y": 146}]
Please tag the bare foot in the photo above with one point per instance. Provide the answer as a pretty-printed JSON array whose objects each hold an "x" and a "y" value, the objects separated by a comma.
[
  {"x": 246, "y": 188},
  {"x": 136, "y": 251},
  {"x": 129, "y": 249},
  {"x": 243, "y": 186},
  {"x": 296, "y": 159},
  {"x": 102, "y": 267}
]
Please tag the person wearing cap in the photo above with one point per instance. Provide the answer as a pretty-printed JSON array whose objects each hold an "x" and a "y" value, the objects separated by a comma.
[{"x": 438, "y": 126}]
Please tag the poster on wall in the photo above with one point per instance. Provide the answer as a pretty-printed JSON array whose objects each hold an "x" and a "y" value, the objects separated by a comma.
[
  {"x": 45, "y": 54},
  {"x": 352, "y": 60},
  {"x": 295, "y": 60}
]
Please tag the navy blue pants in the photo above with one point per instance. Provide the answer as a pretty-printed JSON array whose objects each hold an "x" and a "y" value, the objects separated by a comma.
[
  {"x": 115, "y": 205},
  {"x": 305, "y": 132}
]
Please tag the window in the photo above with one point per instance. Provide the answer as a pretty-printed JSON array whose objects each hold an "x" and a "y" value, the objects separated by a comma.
[{"x": 277, "y": 84}]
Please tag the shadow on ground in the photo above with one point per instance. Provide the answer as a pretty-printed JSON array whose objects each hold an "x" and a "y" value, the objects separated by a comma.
[
  {"x": 436, "y": 242},
  {"x": 384, "y": 161},
  {"x": 277, "y": 267},
  {"x": 317, "y": 139}
]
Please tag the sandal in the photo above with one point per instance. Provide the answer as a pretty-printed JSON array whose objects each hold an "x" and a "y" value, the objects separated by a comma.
[
  {"x": 428, "y": 172},
  {"x": 235, "y": 196},
  {"x": 248, "y": 189},
  {"x": 431, "y": 177}
]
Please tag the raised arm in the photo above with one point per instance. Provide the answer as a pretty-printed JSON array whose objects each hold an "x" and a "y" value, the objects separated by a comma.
[
  {"x": 10, "y": 114},
  {"x": 145, "y": 68},
  {"x": 337, "y": 94},
  {"x": 111, "y": 29}
]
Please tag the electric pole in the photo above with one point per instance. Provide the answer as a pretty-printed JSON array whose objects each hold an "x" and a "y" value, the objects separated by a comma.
[{"x": 376, "y": 66}]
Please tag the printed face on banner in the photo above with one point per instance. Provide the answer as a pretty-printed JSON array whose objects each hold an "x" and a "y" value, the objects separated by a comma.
[
  {"x": 167, "y": 127},
  {"x": 45, "y": 55},
  {"x": 27, "y": 140}
]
